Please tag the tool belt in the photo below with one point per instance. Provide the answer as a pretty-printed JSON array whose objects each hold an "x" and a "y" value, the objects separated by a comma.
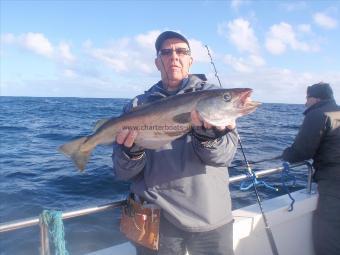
[{"x": 140, "y": 223}]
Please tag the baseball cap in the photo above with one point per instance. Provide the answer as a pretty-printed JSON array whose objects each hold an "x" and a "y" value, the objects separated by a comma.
[{"x": 168, "y": 35}]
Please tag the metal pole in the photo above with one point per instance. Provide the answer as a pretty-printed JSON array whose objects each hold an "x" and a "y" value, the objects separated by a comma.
[
  {"x": 310, "y": 176},
  {"x": 35, "y": 221},
  {"x": 262, "y": 173},
  {"x": 44, "y": 239},
  {"x": 9, "y": 226}
]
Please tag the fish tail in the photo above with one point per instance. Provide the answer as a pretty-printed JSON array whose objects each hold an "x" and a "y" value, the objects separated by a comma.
[{"x": 72, "y": 150}]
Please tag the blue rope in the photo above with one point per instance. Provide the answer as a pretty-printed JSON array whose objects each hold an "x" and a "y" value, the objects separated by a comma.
[
  {"x": 246, "y": 185},
  {"x": 54, "y": 222},
  {"x": 284, "y": 175}
]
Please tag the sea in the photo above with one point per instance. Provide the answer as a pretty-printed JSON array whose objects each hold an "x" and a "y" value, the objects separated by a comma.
[{"x": 34, "y": 176}]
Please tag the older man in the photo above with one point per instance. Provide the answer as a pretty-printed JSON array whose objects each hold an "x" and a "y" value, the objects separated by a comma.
[
  {"x": 188, "y": 178},
  {"x": 319, "y": 139}
]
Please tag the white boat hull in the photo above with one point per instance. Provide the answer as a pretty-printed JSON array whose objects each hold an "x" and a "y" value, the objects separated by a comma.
[{"x": 292, "y": 231}]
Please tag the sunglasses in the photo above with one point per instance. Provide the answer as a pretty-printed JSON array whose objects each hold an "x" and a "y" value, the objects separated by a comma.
[{"x": 179, "y": 52}]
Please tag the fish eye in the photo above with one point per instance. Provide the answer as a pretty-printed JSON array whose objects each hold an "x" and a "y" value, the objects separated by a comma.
[{"x": 227, "y": 97}]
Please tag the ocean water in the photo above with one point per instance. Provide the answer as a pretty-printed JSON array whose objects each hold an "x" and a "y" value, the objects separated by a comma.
[{"x": 35, "y": 176}]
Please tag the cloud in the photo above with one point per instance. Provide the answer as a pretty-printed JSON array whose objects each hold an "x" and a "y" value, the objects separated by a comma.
[
  {"x": 123, "y": 55},
  {"x": 39, "y": 44},
  {"x": 147, "y": 40},
  {"x": 294, "y": 6},
  {"x": 304, "y": 28},
  {"x": 7, "y": 38},
  {"x": 68, "y": 73},
  {"x": 257, "y": 60},
  {"x": 285, "y": 85},
  {"x": 324, "y": 21},
  {"x": 244, "y": 65},
  {"x": 235, "y": 4},
  {"x": 281, "y": 36},
  {"x": 240, "y": 34},
  {"x": 137, "y": 53},
  {"x": 199, "y": 51},
  {"x": 64, "y": 51},
  {"x": 238, "y": 64},
  {"x": 133, "y": 54},
  {"x": 113, "y": 56}
]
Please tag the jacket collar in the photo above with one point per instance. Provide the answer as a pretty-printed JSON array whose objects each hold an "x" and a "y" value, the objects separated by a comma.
[
  {"x": 319, "y": 105},
  {"x": 194, "y": 81}
]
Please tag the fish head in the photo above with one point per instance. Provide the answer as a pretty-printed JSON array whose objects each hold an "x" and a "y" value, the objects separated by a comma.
[{"x": 221, "y": 107}]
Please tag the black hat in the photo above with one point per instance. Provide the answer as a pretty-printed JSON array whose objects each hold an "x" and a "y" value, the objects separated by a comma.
[
  {"x": 320, "y": 90},
  {"x": 168, "y": 35}
]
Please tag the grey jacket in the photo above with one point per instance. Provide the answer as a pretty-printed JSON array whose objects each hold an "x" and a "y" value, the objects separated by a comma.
[
  {"x": 186, "y": 178},
  {"x": 319, "y": 139}
]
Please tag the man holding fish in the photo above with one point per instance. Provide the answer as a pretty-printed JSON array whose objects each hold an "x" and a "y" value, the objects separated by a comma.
[
  {"x": 174, "y": 143},
  {"x": 182, "y": 165}
]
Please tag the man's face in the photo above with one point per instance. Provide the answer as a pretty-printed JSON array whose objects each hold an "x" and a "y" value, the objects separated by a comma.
[
  {"x": 311, "y": 101},
  {"x": 174, "y": 62}
]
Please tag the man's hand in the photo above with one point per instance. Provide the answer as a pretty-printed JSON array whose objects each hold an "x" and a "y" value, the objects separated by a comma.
[
  {"x": 126, "y": 137},
  {"x": 198, "y": 122}
]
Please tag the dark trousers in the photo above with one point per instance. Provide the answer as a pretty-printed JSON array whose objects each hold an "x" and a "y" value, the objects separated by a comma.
[
  {"x": 326, "y": 226},
  {"x": 174, "y": 241}
]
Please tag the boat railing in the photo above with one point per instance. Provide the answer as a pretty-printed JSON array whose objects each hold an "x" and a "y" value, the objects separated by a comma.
[{"x": 10, "y": 226}]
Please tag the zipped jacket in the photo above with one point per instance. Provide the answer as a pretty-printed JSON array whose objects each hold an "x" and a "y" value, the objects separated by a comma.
[
  {"x": 319, "y": 139},
  {"x": 187, "y": 178}
]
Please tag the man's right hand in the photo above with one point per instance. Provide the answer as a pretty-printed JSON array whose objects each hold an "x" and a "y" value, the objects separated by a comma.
[{"x": 126, "y": 137}]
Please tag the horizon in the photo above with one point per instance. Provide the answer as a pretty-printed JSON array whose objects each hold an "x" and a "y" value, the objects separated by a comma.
[
  {"x": 105, "y": 49},
  {"x": 123, "y": 98}
]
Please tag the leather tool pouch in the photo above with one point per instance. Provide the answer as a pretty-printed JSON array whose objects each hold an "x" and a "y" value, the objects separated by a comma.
[{"x": 140, "y": 223}]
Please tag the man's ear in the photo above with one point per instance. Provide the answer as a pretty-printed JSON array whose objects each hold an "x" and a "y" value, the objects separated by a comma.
[
  {"x": 190, "y": 62},
  {"x": 157, "y": 63}
]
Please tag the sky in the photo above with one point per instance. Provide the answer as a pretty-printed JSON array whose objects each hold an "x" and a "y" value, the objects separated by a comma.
[{"x": 105, "y": 48}]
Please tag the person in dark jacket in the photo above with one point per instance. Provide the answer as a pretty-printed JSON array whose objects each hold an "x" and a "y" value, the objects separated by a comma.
[
  {"x": 187, "y": 178},
  {"x": 319, "y": 139}
]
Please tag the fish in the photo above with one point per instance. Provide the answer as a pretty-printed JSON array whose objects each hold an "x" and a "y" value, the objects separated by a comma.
[{"x": 160, "y": 122}]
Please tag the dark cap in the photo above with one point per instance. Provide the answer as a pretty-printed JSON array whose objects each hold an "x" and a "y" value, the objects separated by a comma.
[
  {"x": 168, "y": 35},
  {"x": 320, "y": 90}
]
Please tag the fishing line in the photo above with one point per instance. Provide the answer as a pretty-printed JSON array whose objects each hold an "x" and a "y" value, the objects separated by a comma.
[
  {"x": 167, "y": 76},
  {"x": 256, "y": 162},
  {"x": 267, "y": 227},
  {"x": 212, "y": 63}
]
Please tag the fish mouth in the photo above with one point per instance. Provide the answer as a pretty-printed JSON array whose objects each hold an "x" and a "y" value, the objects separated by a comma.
[
  {"x": 245, "y": 96},
  {"x": 245, "y": 103}
]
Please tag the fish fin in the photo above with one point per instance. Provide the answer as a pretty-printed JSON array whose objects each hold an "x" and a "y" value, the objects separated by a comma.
[
  {"x": 99, "y": 123},
  {"x": 182, "y": 118},
  {"x": 72, "y": 150}
]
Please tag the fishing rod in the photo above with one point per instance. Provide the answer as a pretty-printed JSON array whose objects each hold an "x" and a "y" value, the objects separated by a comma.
[
  {"x": 267, "y": 227},
  {"x": 251, "y": 173},
  {"x": 212, "y": 63}
]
